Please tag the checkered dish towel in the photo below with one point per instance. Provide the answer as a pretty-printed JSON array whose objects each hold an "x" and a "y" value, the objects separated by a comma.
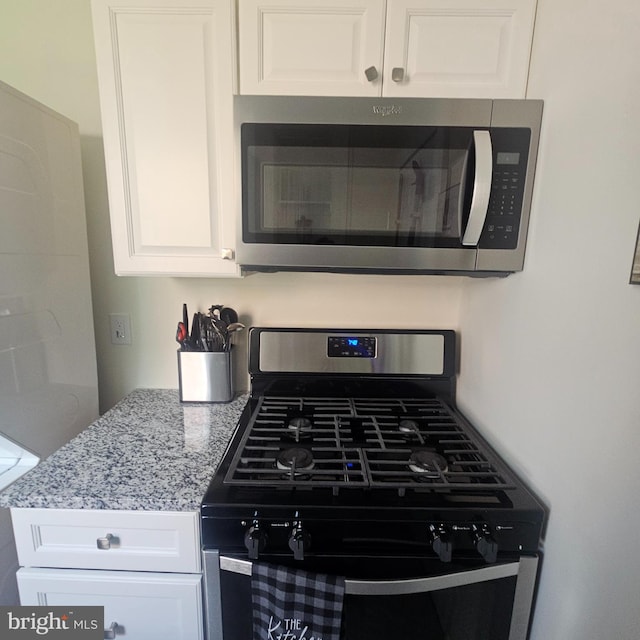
[{"x": 295, "y": 604}]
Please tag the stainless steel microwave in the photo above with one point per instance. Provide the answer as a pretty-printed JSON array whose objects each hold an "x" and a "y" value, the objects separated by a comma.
[{"x": 360, "y": 185}]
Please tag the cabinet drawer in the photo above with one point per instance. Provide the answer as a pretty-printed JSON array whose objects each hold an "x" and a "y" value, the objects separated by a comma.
[
  {"x": 90, "y": 539},
  {"x": 144, "y": 606}
]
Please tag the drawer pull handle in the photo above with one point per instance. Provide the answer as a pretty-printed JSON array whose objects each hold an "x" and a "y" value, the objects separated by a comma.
[
  {"x": 114, "y": 630},
  {"x": 108, "y": 542}
]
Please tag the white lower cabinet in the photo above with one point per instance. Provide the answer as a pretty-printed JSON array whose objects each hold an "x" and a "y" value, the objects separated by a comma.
[
  {"x": 137, "y": 605},
  {"x": 143, "y": 567}
]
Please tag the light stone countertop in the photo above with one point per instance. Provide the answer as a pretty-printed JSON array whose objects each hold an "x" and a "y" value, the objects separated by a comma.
[{"x": 150, "y": 452}]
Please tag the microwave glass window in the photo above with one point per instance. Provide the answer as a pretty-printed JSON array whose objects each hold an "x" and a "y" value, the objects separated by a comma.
[
  {"x": 346, "y": 192},
  {"x": 399, "y": 195},
  {"x": 421, "y": 198}
]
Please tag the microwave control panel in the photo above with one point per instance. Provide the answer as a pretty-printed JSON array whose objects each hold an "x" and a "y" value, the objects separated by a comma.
[{"x": 502, "y": 225}]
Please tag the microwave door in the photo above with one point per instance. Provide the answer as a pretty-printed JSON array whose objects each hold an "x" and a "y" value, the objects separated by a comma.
[{"x": 481, "y": 188}]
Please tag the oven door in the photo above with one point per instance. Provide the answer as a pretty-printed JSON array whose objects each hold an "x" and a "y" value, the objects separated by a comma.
[{"x": 393, "y": 597}]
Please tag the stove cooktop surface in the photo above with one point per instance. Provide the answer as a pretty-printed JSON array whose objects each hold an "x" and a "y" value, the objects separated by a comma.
[
  {"x": 359, "y": 453},
  {"x": 369, "y": 454},
  {"x": 342, "y": 443}
]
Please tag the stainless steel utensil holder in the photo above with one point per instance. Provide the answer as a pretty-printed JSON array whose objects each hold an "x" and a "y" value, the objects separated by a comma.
[{"x": 205, "y": 376}]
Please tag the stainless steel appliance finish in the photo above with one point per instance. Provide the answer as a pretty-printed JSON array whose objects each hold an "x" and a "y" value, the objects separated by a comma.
[
  {"x": 415, "y": 353},
  {"x": 372, "y": 474},
  {"x": 385, "y": 186}
]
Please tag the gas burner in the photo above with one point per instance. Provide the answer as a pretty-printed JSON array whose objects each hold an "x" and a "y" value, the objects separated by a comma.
[
  {"x": 427, "y": 463},
  {"x": 299, "y": 428},
  {"x": 408, "y": 426},
  {"x": 297, "y": 460},
  {"x": 300, "y": 423},
  {"x": 409, "y": 430}
]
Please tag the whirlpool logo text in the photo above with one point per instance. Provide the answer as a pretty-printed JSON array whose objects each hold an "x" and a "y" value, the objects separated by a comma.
[
  {"x": 77, "y": 623},
  {"x": 387, "y": 110}
]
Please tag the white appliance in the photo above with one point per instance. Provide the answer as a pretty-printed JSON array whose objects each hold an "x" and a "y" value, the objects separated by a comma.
[{"x": 48, "y": 376}]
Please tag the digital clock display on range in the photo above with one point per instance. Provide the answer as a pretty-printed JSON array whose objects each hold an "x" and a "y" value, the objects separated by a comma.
[{"x": 351, "y": 347}]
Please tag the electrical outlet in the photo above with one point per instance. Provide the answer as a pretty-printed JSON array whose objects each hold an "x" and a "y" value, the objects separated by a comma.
[{"x": 120, "y": 326}]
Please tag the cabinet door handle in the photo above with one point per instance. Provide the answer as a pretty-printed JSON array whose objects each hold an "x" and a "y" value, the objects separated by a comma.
[
  {"x": 107, "y": 542},
  {"x": 397, "y": 74},
  {"x": 114, "y": 630},
  {"x": 226, "y": 254},
  {"x": 371, "y": 73}
]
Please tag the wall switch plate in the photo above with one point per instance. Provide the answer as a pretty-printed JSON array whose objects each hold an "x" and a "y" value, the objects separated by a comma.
[{"x": 120, "y": 327}]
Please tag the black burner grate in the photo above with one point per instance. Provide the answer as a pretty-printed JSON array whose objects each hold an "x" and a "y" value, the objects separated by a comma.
[{"x": 417, "y": 444}]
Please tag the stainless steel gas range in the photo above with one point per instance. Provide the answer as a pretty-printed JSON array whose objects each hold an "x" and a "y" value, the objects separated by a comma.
[{"x": 351, "y": 459}]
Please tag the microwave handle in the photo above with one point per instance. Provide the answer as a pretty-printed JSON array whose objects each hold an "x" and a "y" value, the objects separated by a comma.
[{"x": 481, "y": 188}]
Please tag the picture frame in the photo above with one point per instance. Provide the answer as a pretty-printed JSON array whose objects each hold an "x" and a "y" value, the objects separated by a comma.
[{"x": 635, "y": 267}]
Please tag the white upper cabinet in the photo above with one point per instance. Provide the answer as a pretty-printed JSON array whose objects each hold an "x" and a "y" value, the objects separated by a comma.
[
  {"x": 458, "y": 48},
  {"x": 309, "y": 47},
  {"x": 399, "y": 48},
  {"x": 165, "y": 70}
]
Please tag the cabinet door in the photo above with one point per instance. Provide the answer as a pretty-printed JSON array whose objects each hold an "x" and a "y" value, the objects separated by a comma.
[
  {"x": 144, "y": 606},
  {"x": 458, "y": 48},
  {"x": 165, "y": 71},
  {"x": 309, "y": 47}
]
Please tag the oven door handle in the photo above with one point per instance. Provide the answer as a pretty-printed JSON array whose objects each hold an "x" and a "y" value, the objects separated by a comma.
[{"x": 401, "y": 587}]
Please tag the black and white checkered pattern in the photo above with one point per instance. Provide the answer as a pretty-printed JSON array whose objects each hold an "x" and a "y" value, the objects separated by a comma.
[{"x": 307, "y": 605}]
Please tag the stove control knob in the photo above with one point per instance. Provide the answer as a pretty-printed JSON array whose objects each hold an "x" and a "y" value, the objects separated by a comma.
[
  {"x": 441, "y": 542},
  {"x": 255, "y": 539},
  {"x": 299, "y": 541},
  {"x": 484, "y": 542}
]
